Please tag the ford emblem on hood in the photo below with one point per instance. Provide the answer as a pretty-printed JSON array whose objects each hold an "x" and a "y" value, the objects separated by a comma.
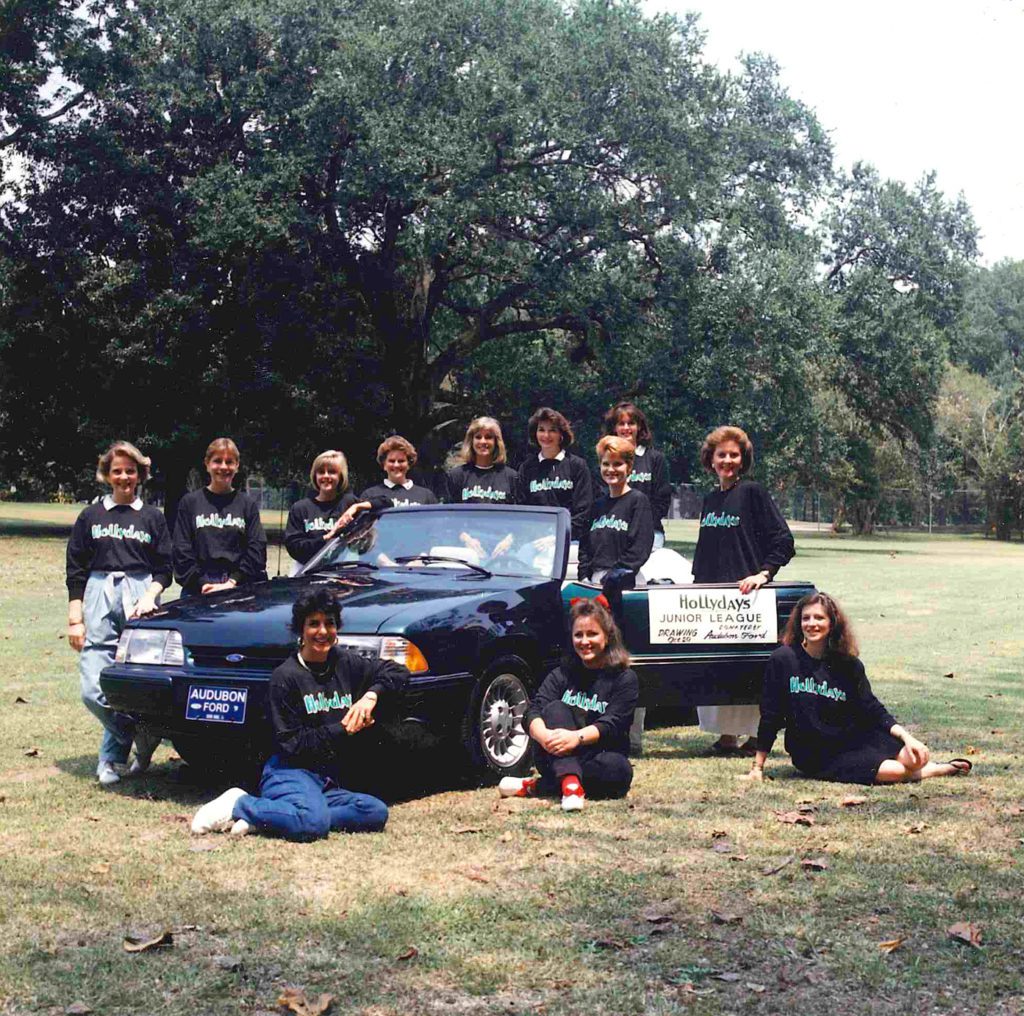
[{"x": 234, "y": 657}]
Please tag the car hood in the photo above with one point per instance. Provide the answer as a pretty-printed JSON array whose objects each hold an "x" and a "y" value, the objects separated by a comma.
[{"x": 258, "y": 616}]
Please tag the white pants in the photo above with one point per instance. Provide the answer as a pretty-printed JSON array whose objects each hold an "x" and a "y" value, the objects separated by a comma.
[{"x": 729, "y": 720}]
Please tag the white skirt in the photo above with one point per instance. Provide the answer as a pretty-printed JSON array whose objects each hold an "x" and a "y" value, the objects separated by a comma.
[{"x": 727, "y": 720}]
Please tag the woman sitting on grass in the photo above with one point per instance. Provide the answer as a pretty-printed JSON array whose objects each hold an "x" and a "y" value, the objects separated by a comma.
[
  {"x": 836, "y": 729},
  {"x": 581, "y": 714},
  {"x": 318, "y": 700}
]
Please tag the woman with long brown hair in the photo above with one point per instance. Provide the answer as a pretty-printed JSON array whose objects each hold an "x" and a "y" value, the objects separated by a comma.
[
  {"x": 580, "y": 717},
  {"x": 836, "y": 729}
]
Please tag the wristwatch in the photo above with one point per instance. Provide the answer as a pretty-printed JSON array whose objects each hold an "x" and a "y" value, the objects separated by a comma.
[{"x": 580, "y": 734}]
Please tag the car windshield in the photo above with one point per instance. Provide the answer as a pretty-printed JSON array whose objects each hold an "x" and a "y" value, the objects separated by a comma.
[{"x": 500, "y": 541}]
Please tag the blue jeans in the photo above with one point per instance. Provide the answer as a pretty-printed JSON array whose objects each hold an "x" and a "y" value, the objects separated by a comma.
[
  {"x": 302, "y": 805},
  {"x": 108, "y": 597}
]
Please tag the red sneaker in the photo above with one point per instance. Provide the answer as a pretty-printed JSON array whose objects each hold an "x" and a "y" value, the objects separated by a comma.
[{"x": 518, "y": 786}]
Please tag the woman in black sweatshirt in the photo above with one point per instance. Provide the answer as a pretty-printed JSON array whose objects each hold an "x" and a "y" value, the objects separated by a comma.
[
  {"x": 397, "y": 456},
  {"x": 219, "y": 541},
  {"x": 580, "y": 717},
  {"x": 555, "y": 476},
  {"x": 118, "y": 564},
  {"x": 649, "y": 473},
  {"x": 317, "y": 518},
  {"x": 815, "y": 687},
  {"x": 743, "y": 540},
  {"x": 319, "y": 702}
]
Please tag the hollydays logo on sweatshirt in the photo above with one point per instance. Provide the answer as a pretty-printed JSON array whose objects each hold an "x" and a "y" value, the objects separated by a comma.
[
  {"x": 321, "y": 703},
  {"x": 213, "y": 521},
  {"x": 811, "y": 687},
  {"x": 720, "y": 520},
  {"x": 588, "y": 702},
  {"x": 116, "y": 532}
]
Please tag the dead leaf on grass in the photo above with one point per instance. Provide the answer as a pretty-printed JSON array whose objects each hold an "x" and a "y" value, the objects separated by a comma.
[
  {"x": 814, "y": 864},
  {"x": 718, "y": 834},
  {"x": 951, "y": 674},
  {"x": 728, "y": 976},
  {"x": 918, "y": 827},
  {"x": 19, "y": 701},
  {"x": 505, "y": 837},
  {"x": 795, "y": 818},
  {"x": 92, "y": 818},
  {"x": 722, "y": 847},
  {"x": 892, "y": 944},
  {"x": 400, "y": 890},
  {"x": 965, "y": 892},
  {"x": 659, "y": 913},
  {"x": 737, "y": 857},
  {"x": 32, "y": 753},
  {"x": 475, "y": 875},
  {"x": 299, "y": 1003},
  {"x": 462, "y": 830},
  {"x": 971, "y": 750},
  {"x": 610, "y": 943},
  {"x": 229, "y": 963},
  {"x": 726, "y": 917},
  {"x": 139, "y": 944},
  {"x": 774, "y": 869},
  {"x": 103, "y": 868},
  {"x": 183, "y": 819},
  {"x": 806, "y": 808},
  {"x": 852, "y": 801},
  {"x": 410, "y": 954},
  {"x": 78, "y": 1009},
  {"x": 966, "y": 931}
]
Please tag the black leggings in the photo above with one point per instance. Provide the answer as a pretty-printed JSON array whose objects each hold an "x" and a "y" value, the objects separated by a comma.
[{"x": 602, "y": 773}]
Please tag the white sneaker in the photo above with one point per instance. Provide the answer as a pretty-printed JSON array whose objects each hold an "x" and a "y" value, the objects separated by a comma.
[
  {"x": 107, "y": 774},
  {"x": 517, "y": 786},
  {"x": 573, "y": 802},
  {"x": 145, "y": 744},
  {"x": 215, "y": 816},
  {"x": 241, "y": 828}
]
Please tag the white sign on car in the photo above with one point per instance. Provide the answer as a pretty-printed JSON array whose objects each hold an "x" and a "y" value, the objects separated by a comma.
[{"x": 712, "y": 616}]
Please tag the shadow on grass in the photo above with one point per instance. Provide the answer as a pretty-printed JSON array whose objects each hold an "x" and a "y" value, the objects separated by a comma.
[{"x": 20, "y": 527}]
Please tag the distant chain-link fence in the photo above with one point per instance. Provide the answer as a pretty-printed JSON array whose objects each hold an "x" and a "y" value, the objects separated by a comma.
[{"x": 902, "y": 508}]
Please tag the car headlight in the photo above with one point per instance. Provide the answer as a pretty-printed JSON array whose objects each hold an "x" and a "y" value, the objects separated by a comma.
[
  {"x": 390, "y": 647},
  {"x": 155, "y": 646}
]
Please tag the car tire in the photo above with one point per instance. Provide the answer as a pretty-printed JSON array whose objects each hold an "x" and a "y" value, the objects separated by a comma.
[{"x": 492, "y": 729}]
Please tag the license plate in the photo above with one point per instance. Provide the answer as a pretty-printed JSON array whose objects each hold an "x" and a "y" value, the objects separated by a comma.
[{"x": 216, "y": 705}]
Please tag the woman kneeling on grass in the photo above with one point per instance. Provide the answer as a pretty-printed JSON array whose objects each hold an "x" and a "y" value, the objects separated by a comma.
[
  {"x": 836, "y": 729},
  {"x": 317, "y": 700},
  {"x": 581, "y": 714}
]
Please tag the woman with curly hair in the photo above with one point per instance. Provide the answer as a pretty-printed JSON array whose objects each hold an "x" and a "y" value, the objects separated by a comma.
[
  {"x": 396, "y": 457},
  {"x": 836, "y": 729}
]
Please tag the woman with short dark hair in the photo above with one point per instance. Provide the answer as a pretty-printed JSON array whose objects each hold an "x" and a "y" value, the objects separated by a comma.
[
  {"x": 580, "y": 717},
  {"x": 219, "y": 541},
  {"x": 555, "y": 476},
  {"x": 317, "y": 700},
  {"x": 118, "y": 564},
  {"x": 836, "y": 729}
]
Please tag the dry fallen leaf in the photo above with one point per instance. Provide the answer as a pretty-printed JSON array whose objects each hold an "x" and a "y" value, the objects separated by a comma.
[
  {"x": 609, "y": 943},
  {"x": 31, "y": 752},
  {"x": 805, "y": 808},
  {"x": 852, "y": 801},
  {"x": 892, "y": 944},
  {"x": 138, "y": 944},
  {"x": 399, "y": 890},
  {"x": 103, "y": 868},
  {"x": 918, "y": 827},
  {"x": 77, "y": 1009},
  {"x": 505, "y": 838},
  {"x": 774, "y": 869},
  {"x": 966, "y": 931},
  {"x": 795, "y": 818},
  {"x": 950, "y": 674},
  {"x": 971, "y": 750},
  {"x": 722, "y": 847},
  {"x": 229, "y": 963},
  {"x": 475, "y": 875},
  {"x": 660, "y": 913},
  {"x": 726, "y": 917},
  {"x": 19, "y": 701},
  {"x": 814, "y": 864},
  {"x": 462, "y": 830},
  {"x": 759, "y": 989},
  {"x": 737, "y": 857},
  {"x": 299, "y": 1003},
  {"x": 728, "y": 976},
  {"x": 411, "y": 953}
]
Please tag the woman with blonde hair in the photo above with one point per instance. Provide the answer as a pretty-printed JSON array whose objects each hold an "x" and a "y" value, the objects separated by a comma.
[
  {"x": 219, "y": 541},
  {"x": 482, "y": 477},
  {"x": 743, "y": 539},
  {"x": 329, "y": 507},
  {"x": 118, "y": 564}
]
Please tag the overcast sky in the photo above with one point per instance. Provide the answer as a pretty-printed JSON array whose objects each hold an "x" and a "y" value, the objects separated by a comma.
[{"x": 908, "y": 85}]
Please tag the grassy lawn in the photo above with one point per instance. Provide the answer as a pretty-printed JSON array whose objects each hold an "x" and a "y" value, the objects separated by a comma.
[{"x": 657, "y": 904}]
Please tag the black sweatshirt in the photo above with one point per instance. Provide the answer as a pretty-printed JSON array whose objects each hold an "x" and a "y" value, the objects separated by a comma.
[
  {"x": 650, "y": 477},
  {"x": 605, "y": 698},
  {"x": 742, "y": 532},
  {"x": 217, "y": 537},
  {"x": 560, "y": 483},
  {"x": 469, "y": 484},
  {"x": 620, "y": 534},
  {"x": 131, "y": 538},
  {"x": 400, "y": 497},
  {"x": 827, "y": 707},
  {"x": 306, "y": 708},
  {"x": 309, "y": 520}
]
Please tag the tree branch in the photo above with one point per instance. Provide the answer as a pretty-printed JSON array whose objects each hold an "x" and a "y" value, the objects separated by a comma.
[{"x": 13, "y": 137}]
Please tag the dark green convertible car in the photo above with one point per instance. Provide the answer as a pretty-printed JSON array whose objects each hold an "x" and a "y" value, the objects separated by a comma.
[{"x": 471, "y": 598}]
